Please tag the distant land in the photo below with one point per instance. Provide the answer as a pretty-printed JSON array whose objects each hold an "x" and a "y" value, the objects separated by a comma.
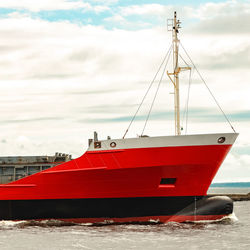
[{"x": 231, "y": 184}]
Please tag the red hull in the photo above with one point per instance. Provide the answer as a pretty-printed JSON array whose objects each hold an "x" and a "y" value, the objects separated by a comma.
[
  {"x": 140, "y": 179},
  {"x": 124, "y": 173}
]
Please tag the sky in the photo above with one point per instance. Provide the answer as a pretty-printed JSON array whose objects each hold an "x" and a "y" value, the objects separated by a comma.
[{"x": 72, "y": 67}]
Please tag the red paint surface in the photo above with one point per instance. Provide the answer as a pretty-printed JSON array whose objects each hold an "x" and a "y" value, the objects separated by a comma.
[{"x": 124, "y": 173}]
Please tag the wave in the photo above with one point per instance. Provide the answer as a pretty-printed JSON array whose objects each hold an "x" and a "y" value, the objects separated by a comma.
[{"x": 59, "y": 223}]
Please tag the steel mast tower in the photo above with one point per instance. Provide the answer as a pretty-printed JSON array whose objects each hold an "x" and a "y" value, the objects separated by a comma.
[{"x": 174, "y": 25}]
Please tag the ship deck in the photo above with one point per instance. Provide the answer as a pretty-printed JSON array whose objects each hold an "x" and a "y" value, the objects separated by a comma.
[{"x": 14, "y": 168}]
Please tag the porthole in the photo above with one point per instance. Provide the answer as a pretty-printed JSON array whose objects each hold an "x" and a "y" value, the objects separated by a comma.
[
  {"x": 221, "y": 139},
  {"x": 113, "y": 144}
]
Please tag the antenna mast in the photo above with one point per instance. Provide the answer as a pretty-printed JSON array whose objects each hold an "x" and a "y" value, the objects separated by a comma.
[
  {"x": 174, "y": 26},
  {"x": 176, "y": 74}
]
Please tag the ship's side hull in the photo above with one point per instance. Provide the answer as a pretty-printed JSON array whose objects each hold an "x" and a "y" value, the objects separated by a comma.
[
  {"x": 139, "y": 178},
  {"x": 121, "y": 174}
]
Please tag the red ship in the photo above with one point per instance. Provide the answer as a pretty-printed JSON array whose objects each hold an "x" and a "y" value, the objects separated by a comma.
[{"x": 124, "y": 180}]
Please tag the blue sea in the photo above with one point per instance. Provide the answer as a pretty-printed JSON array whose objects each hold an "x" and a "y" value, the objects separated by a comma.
[
  {"x": 229, "y": 188},
  {"x": 231, "y": 233}
]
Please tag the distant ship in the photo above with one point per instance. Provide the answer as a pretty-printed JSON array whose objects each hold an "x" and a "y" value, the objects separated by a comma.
[{"x": 124, "y": 180}]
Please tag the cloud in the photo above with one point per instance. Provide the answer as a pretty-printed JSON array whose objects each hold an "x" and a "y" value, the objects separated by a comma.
[
  {"x": 222, "y": 17},
  {"x": 76, "y": 51},
  {"x": 120, "y": 22},
  {"x": 146, "y": 9},
  {"x": 153, "y": 11},
  {"x": 105, "y": 2},
  {"x": 107, "y": 58},
  {"x": 110, "y": 114},
  {"x": 235, "y": 168},
  {"x": 30, "y": 120},
  {"x": 237, "y": 57},
  {"x": 222, "y": 9},
  {"x": 235, "y": 23},
  {"x": 48, "y": 5}
]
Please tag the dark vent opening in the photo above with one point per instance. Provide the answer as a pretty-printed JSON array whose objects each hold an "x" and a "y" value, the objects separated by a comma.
[
  {"x": 97, "y": 144},
  {"x": 167, "y": 181}
]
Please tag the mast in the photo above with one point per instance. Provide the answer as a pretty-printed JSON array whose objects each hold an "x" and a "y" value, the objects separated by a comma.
[{"x": 174, "y": 26}]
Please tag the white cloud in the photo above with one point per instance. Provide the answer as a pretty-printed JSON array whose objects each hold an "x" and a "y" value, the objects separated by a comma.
[
  {"x": 157, "y": 11},
  {"x": 222, "y": 9},
  {"x": 36, "y": 5},
  {"x": 116, "y": 18},
  {"x": 223, "y": 17},
  {"x": 106, "y": 2},
  {"x": 60, "y": 50},
  {"x": 206, "y": 11},
  {"x": 121, "y": 22},
  {"x": 235, "y": 168},
  {"x": 146, "y": 9}
]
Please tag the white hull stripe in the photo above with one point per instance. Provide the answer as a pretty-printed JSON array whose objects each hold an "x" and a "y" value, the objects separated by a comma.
[{"x": 165, "y": 141}]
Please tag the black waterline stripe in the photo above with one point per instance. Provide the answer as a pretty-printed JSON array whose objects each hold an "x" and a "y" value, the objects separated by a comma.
[{"x": 110, "y": 207}]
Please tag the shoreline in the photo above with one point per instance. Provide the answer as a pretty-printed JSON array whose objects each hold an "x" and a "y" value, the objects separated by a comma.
[{"x": 235, "y": 197}]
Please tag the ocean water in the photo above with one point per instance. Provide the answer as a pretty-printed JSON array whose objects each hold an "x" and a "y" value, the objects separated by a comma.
[
  {"x": 231, "y": 233},
  {"x": 229, "y": 190}
]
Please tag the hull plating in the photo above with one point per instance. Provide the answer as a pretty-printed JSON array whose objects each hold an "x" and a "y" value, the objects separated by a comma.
[
  {"x": 126, "y": 173},
  {"x": 115, "y": 179}
]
